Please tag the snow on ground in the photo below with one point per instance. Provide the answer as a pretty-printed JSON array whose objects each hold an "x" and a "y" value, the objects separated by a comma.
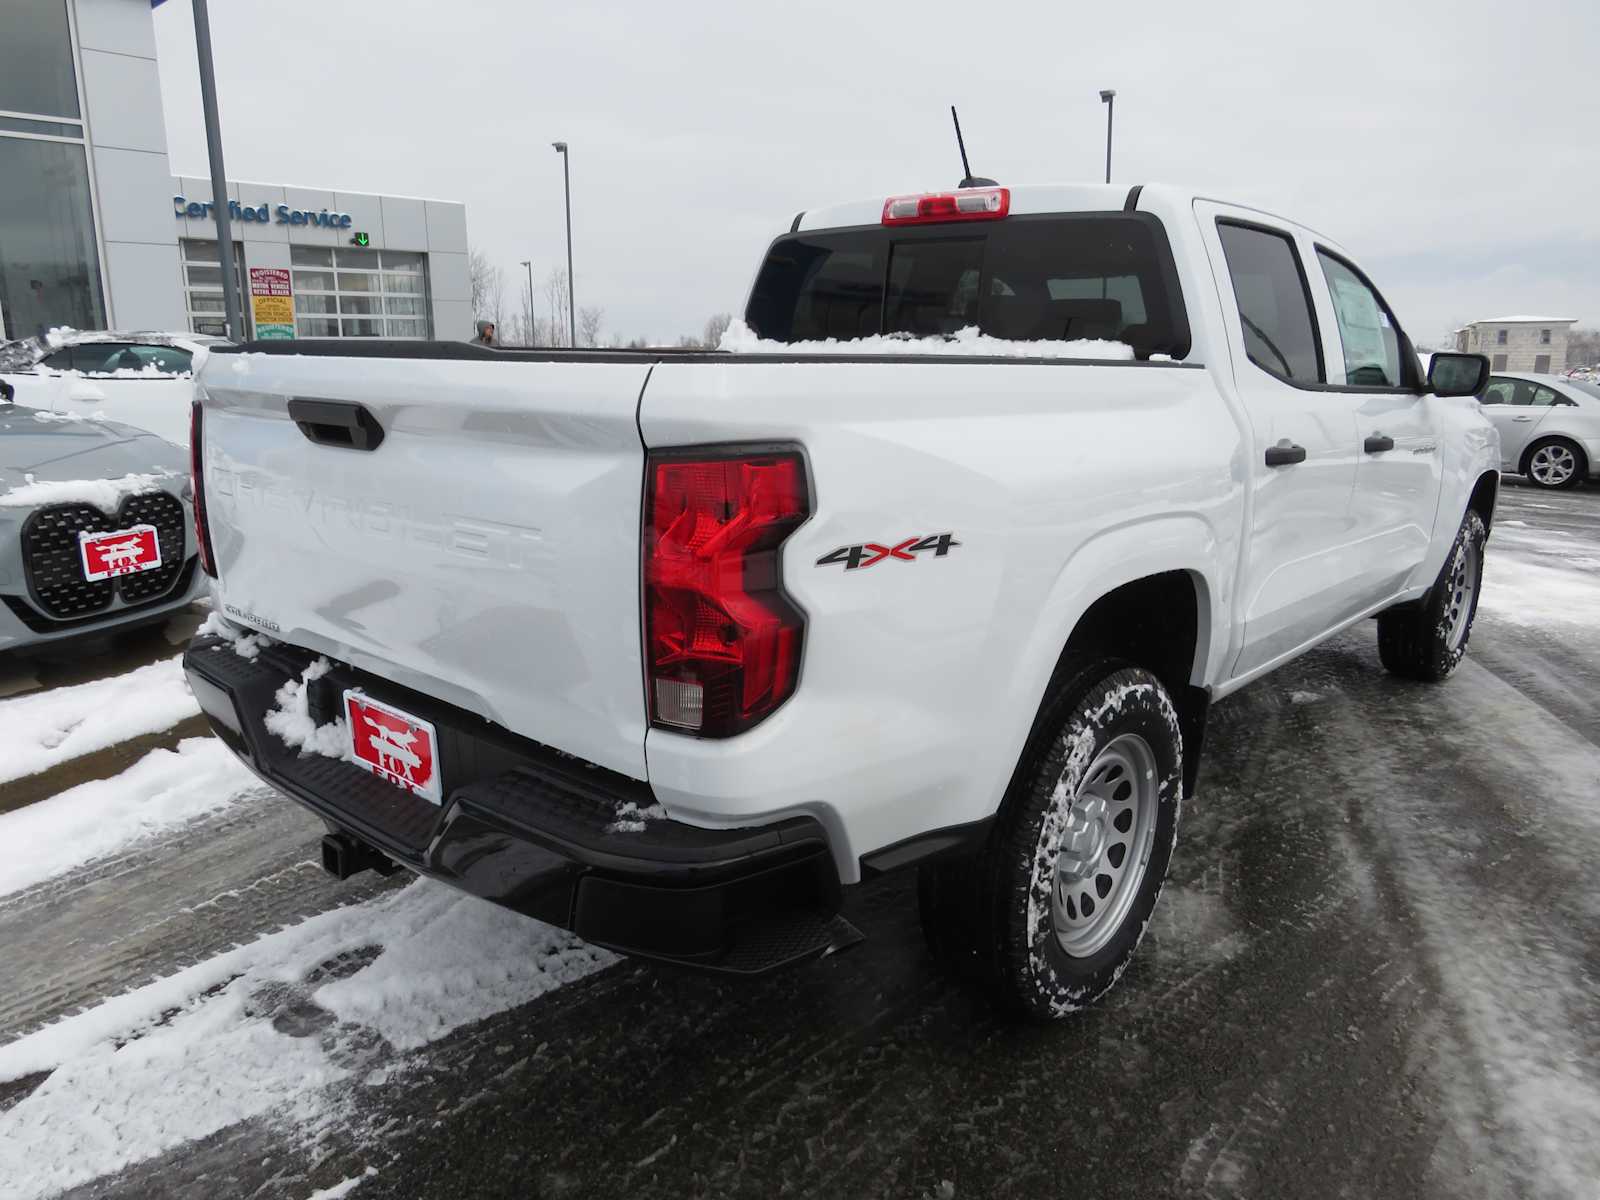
[
  {"x": 51, "y": 727},
  {"x": 104, "y": 494},
  {"x": 344, "y": 1187},
  {"x": 741, "y": 339},
  {"x": 164, "y": 789},
  {"x": 268, "y": 1027},
  {"x": 1537, "y": 581}
]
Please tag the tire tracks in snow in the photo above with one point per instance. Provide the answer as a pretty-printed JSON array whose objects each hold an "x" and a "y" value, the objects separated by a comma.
[{"x": 163, "y": 904}]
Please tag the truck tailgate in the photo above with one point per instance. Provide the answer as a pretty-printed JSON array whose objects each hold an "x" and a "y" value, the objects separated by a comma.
[{"x": 485, "y": 552}]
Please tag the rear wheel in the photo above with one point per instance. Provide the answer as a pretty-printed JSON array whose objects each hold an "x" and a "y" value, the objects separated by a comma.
[
  {"x": 1050, "y": 915},
  {"x": 1556, "y": 463},
  {"x": 1428, "y": 639}
]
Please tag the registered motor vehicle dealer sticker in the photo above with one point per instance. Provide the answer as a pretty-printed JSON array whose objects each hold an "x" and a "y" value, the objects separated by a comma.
[
  {"x": 122, "y": 552},
  {"x": 393, "y": 745}
]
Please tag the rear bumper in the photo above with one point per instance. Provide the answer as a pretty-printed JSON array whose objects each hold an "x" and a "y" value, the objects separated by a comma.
[{"x": 533, "y": 830}]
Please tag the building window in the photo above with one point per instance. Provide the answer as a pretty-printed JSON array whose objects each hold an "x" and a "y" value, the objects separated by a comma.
[
  {"x": 50, "y": 269},
  {"x": 1541, "y": 364},
  {"x": 1544, "y": 337},
  {"x": 36, "y": 69},
  {"x": 50, "y": 273},
  {"x": 1500, "y": 337},
  {"x": 1498, "y": 363},
  {"x": 350, "y": 292},
  {"x": 202, "y": 286}
]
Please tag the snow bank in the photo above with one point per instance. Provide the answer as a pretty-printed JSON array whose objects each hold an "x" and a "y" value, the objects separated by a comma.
[
  {"x": 51, "y": 727},
  {"x": 162, "y": 790},
  {"x": 741, "y": 339},
  {"x": 104, "y": 494},
  {"x": 211, "y": 1055},
  {"x": 291, "y": 719}
]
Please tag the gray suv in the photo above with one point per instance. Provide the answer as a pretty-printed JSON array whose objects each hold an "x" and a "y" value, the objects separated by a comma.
[{"x": 96, "y": 530}]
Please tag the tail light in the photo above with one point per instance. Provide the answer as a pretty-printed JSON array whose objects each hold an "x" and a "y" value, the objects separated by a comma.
[
  {"x": 202, "y": 535},
  {"x": 965, "y": 204},
  {"x": 722, "y": 640}
]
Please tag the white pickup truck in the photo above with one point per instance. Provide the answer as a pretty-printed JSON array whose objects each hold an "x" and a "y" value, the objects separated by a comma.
[{"x": 667, "y": 647}]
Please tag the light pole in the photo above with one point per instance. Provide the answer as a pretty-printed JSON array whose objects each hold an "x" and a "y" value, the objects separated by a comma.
[
  {"x": 219, "y": 177},
  {"x": 566, "y": 179},
  {"x": 1109, "y": 96},
  {"x": 528, "y": 262}
]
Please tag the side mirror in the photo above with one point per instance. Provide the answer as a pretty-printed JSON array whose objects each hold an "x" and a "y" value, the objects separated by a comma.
[
  {"x": 81, "y": 391},
  {"x": 1451, "y": 374},
  {"x": 7, "y": 392}
]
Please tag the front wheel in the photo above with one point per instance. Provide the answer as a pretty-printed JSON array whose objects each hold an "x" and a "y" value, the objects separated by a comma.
[
  {"x": 1427, "y": 639},
  {"x": 1051, "y": 913}
]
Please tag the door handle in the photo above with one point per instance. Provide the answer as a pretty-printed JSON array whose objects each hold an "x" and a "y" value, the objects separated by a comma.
[
  {"x": 1377, "y": 444},
  {"x": 1522, "y": 418},
  {"x": 336, "y": 423},
  {"x": 1283, "y": 456}
]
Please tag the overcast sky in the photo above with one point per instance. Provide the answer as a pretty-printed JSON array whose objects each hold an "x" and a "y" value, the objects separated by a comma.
[{"x": 1450, "y": 146}]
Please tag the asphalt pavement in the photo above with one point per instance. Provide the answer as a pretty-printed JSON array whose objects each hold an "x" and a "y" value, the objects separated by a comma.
[{"x": 1372, "y": 974}]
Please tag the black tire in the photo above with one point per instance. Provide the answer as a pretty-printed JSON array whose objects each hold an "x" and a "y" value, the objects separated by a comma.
[
  {"x": 995, "y": 917},
  {"x": 1580, "y": 464},
  {"x": 1420, "y": 640}
]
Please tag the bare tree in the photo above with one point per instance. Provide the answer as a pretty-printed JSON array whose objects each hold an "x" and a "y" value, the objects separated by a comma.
[
  {"x": 716, "y": 326},
  {"x": 488, "y": 287},
  {"x": 589, "y": 322},
  {"x": 527, "y": 322},
  {"x": 555, "y": 298}
]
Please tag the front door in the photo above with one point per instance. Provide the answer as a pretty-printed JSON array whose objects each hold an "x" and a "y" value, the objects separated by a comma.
[
  {"x": 1508, "y": 403},
  {"x": 1398, "y": 475},
  {"x": 1297, "y": 568}
]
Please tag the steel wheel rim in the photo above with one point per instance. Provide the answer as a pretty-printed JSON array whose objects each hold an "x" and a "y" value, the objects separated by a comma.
[
  {"x": 1552, "y": 464},
  {"x": 1461, "y": 588},
  {"x": 1111, "y": 828}
]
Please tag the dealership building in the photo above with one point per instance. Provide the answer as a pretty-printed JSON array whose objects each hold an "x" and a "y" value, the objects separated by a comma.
[{"x": 98, "y": 232}]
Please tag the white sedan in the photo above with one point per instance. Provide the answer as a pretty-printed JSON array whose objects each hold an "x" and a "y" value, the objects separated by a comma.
[
  {"x": 141, "y": 379},
  {"x": 1549, "y": 426}
]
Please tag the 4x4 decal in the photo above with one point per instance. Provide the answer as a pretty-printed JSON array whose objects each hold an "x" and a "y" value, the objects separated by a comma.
[{"x": 870, "y": 554}]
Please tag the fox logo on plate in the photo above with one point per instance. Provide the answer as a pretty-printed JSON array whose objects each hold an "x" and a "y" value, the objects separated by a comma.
[{"x": 393, "y": 745}]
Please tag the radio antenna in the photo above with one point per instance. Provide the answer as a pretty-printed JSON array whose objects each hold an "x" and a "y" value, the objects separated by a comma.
[{"x": 968, "y": 179}]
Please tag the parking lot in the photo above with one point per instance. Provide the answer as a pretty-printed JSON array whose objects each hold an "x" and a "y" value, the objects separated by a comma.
[{"x": 1373, "y": 973}]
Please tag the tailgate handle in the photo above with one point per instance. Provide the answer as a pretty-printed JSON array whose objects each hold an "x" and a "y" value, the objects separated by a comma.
[{"x": 336, "y": 423}]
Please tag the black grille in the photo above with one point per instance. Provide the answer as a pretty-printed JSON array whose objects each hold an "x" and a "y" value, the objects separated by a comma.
[
  {"x": 166, "y": 514},
  {"x": 54, "y": 566}
]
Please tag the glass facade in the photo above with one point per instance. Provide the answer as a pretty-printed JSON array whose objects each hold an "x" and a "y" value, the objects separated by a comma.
[
  {"x": 202, "y": 286},
  {"x": 36, "y": 68},
  {"x": 49, "y": 262},
  {"x": 351, "y": 292}
]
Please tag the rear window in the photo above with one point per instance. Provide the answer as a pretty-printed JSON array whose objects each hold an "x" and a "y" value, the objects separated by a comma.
[{"x": 1031, "y": 278}]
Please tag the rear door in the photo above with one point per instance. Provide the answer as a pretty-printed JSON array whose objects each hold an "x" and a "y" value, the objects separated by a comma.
[
  {"x": 1398, "y": 475},
  {"x": 1302, "y": 548},
  {"x": 485, "y": 551}
]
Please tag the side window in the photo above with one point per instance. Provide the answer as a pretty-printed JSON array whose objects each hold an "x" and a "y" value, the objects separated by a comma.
[
  {"x": 1509, "y": 391},
  {"x": 1269, "y": 286},
  {"x": 1544, "y": 397},
  {"x": 1366, "y": 329},
  {"x": 61, "y": 360}
]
